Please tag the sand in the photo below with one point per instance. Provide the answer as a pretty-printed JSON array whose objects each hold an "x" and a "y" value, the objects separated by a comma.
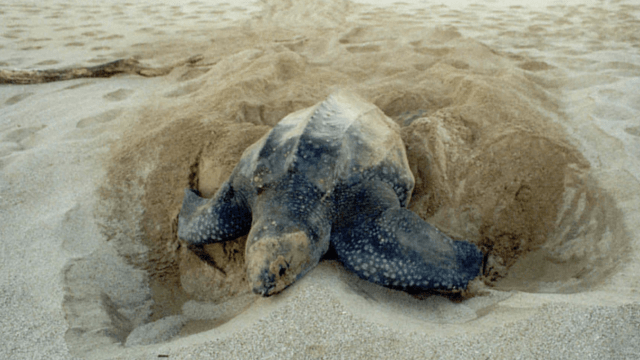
[{"x": 521, "y": 126}]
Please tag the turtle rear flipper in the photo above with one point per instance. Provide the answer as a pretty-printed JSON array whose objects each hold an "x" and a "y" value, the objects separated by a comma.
[{"x": 221, "y": 218}]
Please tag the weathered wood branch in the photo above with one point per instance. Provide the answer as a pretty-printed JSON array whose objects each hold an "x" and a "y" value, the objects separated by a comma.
[{"x": 122, "y": 66}]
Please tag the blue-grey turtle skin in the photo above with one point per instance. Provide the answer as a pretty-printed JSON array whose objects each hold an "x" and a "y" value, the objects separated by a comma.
[{"x": 334, "y": 173}]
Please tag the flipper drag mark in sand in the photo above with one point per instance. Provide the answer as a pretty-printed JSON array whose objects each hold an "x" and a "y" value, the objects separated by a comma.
[{"x": 334, "y": 173}]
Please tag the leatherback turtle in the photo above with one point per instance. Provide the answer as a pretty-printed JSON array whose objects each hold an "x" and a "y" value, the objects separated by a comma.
[{"x": 337, "y": 173}]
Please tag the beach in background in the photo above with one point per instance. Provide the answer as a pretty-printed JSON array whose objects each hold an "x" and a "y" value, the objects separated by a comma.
[{"x": 521, "y": 124}]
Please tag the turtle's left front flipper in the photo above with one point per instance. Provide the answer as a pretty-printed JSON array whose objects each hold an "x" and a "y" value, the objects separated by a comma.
[
  {"x": 394, "y": 247},
  {"x": 224, "y": 217}
]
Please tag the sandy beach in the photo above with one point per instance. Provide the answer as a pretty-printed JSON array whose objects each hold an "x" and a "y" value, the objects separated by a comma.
[{"x": 521, "y": 125}]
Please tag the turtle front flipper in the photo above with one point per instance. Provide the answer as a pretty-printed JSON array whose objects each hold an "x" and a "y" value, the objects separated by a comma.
[
  {"x": 221, "y": 218},
  {"x": 394, "y": 247}
]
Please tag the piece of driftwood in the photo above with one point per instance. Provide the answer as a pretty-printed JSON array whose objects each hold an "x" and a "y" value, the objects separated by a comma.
[{"x": 122, "y": 66}]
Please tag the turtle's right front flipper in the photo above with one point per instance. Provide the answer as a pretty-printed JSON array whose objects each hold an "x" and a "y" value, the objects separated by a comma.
[{"x": 224, "y": 217}]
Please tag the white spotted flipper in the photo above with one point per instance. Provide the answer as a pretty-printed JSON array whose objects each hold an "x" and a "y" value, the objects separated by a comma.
[
  {"x": 391, "y": 246},
  {"x": 221, "y": 218}
]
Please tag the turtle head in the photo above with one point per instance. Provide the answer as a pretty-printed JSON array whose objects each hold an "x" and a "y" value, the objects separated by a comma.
[
  {"x": 282, "y": 247},
  {"x": 275, "y": 261}
]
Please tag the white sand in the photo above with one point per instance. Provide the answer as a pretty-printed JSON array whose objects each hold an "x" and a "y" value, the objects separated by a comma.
[{"x": 55, "y": 146}]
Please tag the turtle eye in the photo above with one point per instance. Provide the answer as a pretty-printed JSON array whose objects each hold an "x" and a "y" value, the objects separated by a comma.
[
  {"x": 262, "y": 188},
  {"x": 282, "y": 271}
]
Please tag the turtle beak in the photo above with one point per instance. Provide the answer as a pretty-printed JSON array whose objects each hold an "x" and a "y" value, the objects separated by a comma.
[
  {"x": 265, "y": 286},
  {"x": 264, "y": 289}
]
